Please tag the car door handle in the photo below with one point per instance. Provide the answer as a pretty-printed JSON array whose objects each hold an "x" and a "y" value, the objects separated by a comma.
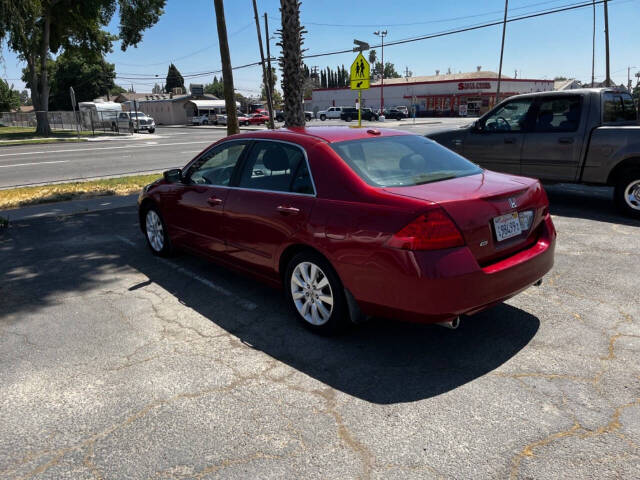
[
  {"x": 214, "y": 201},
  {"x": 565, "y": 140},
  {"x": 510, "y": 140},
  {"x": 283, "y": 209}
]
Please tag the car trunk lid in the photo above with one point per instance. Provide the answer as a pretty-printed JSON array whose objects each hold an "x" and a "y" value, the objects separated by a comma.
[{"x": 473, "y": 202}]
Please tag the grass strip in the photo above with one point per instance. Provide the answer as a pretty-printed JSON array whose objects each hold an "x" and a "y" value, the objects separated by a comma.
[{"x": 59, "y": 192}]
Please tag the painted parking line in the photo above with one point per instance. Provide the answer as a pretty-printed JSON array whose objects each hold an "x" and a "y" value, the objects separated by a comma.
[
  {"x": 246, "y": 304},
  {"x": 33, "y": 163}
]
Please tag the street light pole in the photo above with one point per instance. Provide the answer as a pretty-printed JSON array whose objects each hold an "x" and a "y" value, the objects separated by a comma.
[
  {"x": 381, "y": 34},
  {"x": 504, "y": 30}
]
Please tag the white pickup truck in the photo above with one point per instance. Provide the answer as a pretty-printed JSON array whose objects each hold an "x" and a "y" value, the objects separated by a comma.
[
  {"x": 331, "y": 112},
  {"x": 127, "y": 121}
]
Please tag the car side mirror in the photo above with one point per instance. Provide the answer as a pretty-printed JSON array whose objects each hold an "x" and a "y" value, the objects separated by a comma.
[
  {"x": 477, "y": 126},
  {"x": 173, "y": 176}
]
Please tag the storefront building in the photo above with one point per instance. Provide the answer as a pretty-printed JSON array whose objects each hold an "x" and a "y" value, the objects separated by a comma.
[{"x": 457, "y": 94}]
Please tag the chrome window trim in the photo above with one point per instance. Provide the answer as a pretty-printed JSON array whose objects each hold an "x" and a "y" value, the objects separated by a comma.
[{"x": 247, "y": 139}]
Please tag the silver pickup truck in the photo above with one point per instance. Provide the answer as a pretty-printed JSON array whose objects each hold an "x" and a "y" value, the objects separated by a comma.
[{"x": 589, "y": 136}]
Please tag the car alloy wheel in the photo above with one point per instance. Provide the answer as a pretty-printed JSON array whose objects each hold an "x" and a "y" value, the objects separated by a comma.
[
  {"x": 323, "y": 117},
  {"x": 632, "y": 195},
  {"x": 311, "y": 293},
  {"x": 316, "y": 293},
  {"x": 627, "y": 192},
  {"x": 156, "y": 233}
]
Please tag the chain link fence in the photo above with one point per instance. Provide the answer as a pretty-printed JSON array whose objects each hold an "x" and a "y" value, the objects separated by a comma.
[{"x": 96, "y": 122}]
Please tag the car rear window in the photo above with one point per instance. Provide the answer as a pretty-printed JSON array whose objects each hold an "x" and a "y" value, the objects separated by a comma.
[
  {"x": 403, "y": 160},
  {"x": 618, "y": 108}
]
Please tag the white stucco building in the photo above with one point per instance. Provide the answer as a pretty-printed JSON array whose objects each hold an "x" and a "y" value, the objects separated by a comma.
[{"x": 435, "y": 95}]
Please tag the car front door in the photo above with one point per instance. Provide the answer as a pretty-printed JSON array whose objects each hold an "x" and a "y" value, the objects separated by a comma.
[
  {"x": 553, "y": 147},
  {"x": 272, "y": 201},
  {"x": 196, "y": 212},
  {"x": 495, "y": 142}
]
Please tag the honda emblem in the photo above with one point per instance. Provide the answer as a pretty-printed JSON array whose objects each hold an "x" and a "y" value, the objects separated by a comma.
[{"x": 512, "y": 202}]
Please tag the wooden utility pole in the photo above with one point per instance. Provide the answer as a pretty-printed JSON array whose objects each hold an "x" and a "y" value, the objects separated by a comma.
[
  {"x": 267, "y": 83},
  {"x": 227, "y": 73},
  {"x": 607, "y": 80},
  {"x": 504, "y": 30},
  {"x": 593, "y": 48},
  {"x": 272, "y": 112}
]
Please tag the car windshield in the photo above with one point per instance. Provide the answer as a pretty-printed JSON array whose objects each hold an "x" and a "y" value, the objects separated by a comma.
[{"x": 403, "y": 160}]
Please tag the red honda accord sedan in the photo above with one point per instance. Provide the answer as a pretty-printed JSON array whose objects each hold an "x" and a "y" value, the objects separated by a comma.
[{"x": 356, "y": 222}]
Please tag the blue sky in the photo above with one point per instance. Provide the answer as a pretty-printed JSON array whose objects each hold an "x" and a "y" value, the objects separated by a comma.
[{"x": 543, "y": 47}]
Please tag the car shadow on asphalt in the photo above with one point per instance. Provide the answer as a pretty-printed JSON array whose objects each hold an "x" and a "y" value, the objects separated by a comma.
[
  {"x": 587, "y": 202},
  {"x": 382, "y": 361}
]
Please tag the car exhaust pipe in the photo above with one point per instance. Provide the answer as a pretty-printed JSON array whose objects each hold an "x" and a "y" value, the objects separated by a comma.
[{"x": 452, "y": 324}]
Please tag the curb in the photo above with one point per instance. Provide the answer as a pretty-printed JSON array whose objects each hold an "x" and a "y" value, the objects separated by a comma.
[{"x": 70, "y": 207}]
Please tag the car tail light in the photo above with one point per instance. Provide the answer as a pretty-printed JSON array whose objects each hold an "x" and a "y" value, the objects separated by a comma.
[{"x": 430, "y": 231}]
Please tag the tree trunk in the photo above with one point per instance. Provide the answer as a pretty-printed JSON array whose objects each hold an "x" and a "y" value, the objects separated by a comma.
[
  {"x": 42, "y": 118},
  {"x": 291, "y": 63},
  {"x": 227, "y": 73}
]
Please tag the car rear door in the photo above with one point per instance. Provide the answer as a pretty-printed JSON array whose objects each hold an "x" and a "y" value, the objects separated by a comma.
[
  {"x": 195, "y": 214},
  {"x": 496, "y": 141},
  {"x": 273, "y": 200},
  {"x": 553, "y": 148}
]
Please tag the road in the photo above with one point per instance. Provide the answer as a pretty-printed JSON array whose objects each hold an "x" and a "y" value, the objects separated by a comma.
[
  {"x": 117, "y": 364},
  {"x": 168, "y": 147}
]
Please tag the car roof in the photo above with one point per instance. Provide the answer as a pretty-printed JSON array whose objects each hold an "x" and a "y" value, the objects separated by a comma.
[
  {"x": 326, "y": 134},
  {"x": 575, "y": 91}
]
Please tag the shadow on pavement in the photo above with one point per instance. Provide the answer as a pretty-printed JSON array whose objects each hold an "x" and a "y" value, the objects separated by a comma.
[
  {"x": 382, "y": 361},
  {"x": 588, "y": 202}
]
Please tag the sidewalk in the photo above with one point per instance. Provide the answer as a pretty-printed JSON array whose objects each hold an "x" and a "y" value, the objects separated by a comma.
[{"x": 70, "y": 207}]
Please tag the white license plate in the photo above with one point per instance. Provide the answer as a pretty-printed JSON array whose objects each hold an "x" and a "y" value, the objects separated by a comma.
[{"x": 507, "y": 226}]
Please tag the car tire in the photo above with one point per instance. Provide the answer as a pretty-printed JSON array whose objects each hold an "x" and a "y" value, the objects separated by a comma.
[
  {"x": 155, "y": 231},
  {"x": 151, "y": 130},
  {"x": 347, "y": 118},
  {"x": 323, "y": 117},
  {"x": 246, "y": 123},
  {"x": 205, "y": 122},
  {"x": 215, "y": 123},
  {"x": 319, "y": 302},
  {"x": 627, "y": 192}
]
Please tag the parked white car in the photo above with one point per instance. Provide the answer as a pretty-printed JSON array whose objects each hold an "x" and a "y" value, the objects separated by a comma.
[
  {"x": 127, "y": 121},
  {"x": 203, "y": 120},
  {"x": 331, "y": 112}
]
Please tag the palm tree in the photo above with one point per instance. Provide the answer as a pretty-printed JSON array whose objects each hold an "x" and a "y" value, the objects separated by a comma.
[
  {"x": 291, "y": 63},
  {"x": 373, "y": 56}
]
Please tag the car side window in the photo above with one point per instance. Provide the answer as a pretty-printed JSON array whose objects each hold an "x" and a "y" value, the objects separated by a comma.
[
  {"x": 278, "y": 167},
  {"x": 616, "y": 109},
  {"x": 511, "y": 117},
  {"x": 558, "y": 114},
  {"x": 216, "y": 166}
]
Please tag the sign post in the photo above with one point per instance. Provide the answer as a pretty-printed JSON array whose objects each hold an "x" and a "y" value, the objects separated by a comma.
[
  {"x": 72, "y": 93},
  {"x": 360, "y": 77}
]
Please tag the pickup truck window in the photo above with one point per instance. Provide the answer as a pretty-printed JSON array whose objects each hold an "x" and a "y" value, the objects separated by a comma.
[
  {"x": 511, "y": 117},
  {"x": 559, "y": 114},
  {"x": 618, "y": 108}
]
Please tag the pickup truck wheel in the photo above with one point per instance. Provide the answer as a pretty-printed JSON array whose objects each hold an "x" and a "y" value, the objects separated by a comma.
[
  {"x": 323, "y": 117},
  {"x": 627, "y": 192}
]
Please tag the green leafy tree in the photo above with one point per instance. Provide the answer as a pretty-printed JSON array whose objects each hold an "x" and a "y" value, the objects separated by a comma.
[
  {"x": 25, "y": 98},
  {"x": 9, "y": 98},
  {"x": 389, "y": 70},
  {"x": 87, "y": 72},
  {"x": 35, "y": 29},
  {"x": 174, "y": 79},
  {"x": 117, "y": 90},
  {"x": 277, "y": 96},
  {"x": 215, "y": 88},
  {"x": 157, "y": 89}
]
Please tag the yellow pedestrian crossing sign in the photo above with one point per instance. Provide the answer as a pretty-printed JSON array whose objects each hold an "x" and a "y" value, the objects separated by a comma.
[{"x": 360, "y": 73}]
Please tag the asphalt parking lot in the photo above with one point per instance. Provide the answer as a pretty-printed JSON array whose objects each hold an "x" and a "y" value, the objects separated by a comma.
[{"x": 117, "y": 364}]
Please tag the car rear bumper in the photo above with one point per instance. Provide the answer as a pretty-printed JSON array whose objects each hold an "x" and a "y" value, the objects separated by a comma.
[{"x": 440, "y": 285}]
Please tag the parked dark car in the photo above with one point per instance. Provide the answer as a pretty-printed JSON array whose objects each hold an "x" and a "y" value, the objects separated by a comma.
[
  {"x": 394, "y": 114},
  {"x": 349, "y": 113},
  {"x": 589, "y": 136},
  {"x": 280, "y": 116},
  {"x": 355, "y": 222}
]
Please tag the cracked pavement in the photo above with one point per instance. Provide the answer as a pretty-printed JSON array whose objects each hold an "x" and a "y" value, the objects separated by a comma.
[{"x": 117, "y": 364}]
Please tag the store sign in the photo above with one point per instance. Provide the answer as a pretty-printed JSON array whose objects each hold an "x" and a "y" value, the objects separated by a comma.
[{"x": 474, "y": 86}]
